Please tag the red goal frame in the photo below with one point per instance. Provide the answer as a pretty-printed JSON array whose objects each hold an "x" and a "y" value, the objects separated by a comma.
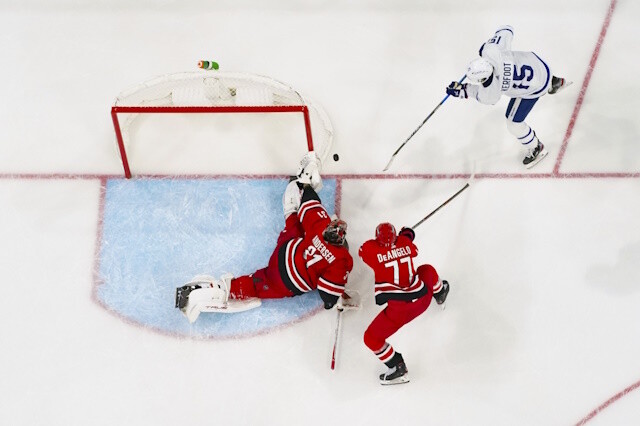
[{"x": 115, "y": 110}]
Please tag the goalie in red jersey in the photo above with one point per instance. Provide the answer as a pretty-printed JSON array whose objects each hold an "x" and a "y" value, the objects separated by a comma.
[
  {"x": 405, "y": 290},
  {"x": 311, "y": 253}
]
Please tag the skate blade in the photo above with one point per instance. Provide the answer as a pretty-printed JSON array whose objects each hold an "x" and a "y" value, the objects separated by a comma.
[
  {"x": 396, "y": 381},
  {"x": 539, "y": 158}
]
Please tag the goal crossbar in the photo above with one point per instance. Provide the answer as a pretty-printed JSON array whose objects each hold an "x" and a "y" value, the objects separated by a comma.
[{"x": 115, "y": 110}]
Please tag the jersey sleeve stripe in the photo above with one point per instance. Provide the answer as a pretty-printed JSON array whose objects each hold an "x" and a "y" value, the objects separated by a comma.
[
  {"x": 292, "y": 271},
  {"x": 308, "y": 206},
  {"x": 329, "y": 287}
]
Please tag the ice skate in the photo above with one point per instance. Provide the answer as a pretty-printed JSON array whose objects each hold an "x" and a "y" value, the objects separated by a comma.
[
  {"x": 558, "y": 84},
  {"x": 395, "y": 375},
  {"x": 441, "y": 296},
  {"x": 534, "y": 155}
]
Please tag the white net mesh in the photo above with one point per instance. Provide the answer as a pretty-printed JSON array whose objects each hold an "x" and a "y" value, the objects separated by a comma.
[{"x": 223, "y": 89}]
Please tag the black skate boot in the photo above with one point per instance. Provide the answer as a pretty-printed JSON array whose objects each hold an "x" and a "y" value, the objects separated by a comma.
[
  {"x": 534, "y": 155},
  {"x": 182, "y": 294},
  {"x": 397, "y": 372},
  {"x": 441, "y": 296},
  {"x": 558, "y": 84}
]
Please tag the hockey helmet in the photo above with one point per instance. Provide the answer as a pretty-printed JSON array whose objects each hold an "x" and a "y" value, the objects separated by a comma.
[
  {"x": 386, "y": 234},
  {"x": 479, "y": 71},
  {"x": 336, "y": 232}
]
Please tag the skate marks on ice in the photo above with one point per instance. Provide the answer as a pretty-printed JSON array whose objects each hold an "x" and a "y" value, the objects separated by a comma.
[{"x": 159, "y": 233}]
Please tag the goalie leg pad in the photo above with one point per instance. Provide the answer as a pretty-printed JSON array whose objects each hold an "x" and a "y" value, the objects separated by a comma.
[{"x": 291, "y": 198}]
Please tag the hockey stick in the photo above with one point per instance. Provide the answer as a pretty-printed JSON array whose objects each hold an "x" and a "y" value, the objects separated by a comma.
[
  {"x": 335, "y": 341},
  {"x": 393, "y": 156},
  {"x": 442, "y": 205}
]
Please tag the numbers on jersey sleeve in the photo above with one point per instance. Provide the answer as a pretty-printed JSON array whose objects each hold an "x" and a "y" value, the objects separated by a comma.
[
  {"x": 311, "y": 256},
  {"x": 526, "y": 72},
  {"x": 323, "y": 214},
  {"x": 395, "y": 264},
  {"x": 494, "y": 39}
]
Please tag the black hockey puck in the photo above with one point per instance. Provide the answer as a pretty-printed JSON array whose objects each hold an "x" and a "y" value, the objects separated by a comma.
[{"x": 336, "y": 157}]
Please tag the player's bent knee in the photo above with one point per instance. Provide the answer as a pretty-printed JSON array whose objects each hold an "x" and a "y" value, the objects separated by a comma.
[
  {"x": 372, "y": 341},
  {"x": 428, "y": 275}
]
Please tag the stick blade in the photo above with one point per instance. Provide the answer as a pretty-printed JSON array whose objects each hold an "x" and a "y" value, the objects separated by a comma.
[{"x": 389, "y": 163}]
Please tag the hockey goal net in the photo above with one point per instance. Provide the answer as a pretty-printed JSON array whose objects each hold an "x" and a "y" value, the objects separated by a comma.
[{"x": 238, "y": 112}]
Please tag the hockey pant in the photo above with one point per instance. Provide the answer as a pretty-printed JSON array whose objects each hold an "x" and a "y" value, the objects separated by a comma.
[
  {"x": 266, "y": 283},
  {"x": 517, "y": 111},
  {"x": 396, "y": 315}
]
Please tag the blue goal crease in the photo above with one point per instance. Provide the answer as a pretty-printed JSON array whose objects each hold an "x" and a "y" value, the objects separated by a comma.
[{"x": 159, "y": 233}]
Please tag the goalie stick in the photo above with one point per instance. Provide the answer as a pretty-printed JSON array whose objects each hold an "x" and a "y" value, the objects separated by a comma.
[
  {"x": 335, "y": 340},
  {"x": 393, "y": 156}
]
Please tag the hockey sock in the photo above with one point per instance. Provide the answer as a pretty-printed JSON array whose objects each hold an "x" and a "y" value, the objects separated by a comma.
[{"x": 386, "y": 354}]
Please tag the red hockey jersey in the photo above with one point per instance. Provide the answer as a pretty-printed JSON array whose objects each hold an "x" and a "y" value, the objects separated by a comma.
[
  {"x": 395, "y": 275},
  {"x": 310, "y": 262}
]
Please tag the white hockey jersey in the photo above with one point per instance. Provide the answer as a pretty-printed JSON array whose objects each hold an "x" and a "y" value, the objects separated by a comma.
[{"x": 516, "y": 74}]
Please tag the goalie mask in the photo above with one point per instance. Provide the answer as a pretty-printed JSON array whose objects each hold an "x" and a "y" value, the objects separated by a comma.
[
  {"x": 386, "y": 234},
  {"x": 336, "y": 232},
  {"x": 479, "y": 71}
]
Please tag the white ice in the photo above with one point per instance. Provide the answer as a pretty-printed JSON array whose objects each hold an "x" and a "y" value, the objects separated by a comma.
[{"x": 543, "y": 322}]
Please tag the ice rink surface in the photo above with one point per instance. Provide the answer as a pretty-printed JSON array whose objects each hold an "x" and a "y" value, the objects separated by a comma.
[{"x": 542, "y": 325}]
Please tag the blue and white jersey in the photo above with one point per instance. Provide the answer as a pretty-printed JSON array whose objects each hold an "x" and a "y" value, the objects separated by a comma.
[{"x": 516, "y": 74}]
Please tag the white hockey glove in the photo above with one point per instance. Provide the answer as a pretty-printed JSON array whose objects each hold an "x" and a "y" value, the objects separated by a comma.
[
  {"x": 458, "y": 90},
  {"x": 309, "y": 171},
  {"x": 349, "y": 301}
]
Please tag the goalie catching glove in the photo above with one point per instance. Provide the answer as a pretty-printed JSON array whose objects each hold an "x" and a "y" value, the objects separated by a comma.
[
  {"x": 309, "y": 171},
  {"x": 349, "y": 301}
]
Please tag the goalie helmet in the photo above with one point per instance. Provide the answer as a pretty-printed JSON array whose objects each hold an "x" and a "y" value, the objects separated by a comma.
[
  {"x": 336, "y": 232},
  {"x": 479, "y": 71},
  {"x": 386, "y": 234}
]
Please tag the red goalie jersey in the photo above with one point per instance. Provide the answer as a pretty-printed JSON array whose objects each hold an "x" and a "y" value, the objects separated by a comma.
[
  {"x": 313, "y": 261},
  {"x": 395, "y": 274}
]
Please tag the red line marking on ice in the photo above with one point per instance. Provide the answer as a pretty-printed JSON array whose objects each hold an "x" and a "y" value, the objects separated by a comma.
[
  {"x": 608, "y": 402},
  {"x": 338, "y": 198},
  {"x": 98, "y": 242},
  {"x": 585, "y": 84}
]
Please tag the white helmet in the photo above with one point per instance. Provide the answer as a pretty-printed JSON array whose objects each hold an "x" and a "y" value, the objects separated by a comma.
[{"x": 479, "y": 71}]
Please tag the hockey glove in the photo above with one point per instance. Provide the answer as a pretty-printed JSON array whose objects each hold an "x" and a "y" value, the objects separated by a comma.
[
  {"x": 458, "y": 90},
  {"x": 349, "y": 301},
  {"x": 407, "y": 232}
]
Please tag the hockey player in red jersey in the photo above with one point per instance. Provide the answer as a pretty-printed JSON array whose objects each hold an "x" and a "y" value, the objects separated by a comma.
[
  {"x": 311, "y": 253},
  {"x": 405, "y": 290}
]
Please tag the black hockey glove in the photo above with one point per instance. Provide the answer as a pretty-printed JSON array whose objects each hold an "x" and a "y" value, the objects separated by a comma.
[
  {"x": 458, "y": 90},
  {"x": 407, "y": 232}
]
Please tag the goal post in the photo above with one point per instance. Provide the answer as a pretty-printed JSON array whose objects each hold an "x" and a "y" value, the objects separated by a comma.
[{"x": 219, "y": 93}]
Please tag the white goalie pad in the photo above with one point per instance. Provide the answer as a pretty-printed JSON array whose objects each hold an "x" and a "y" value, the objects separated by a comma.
[
  {"x": 213, "y": 296},
  {"x": 291, "y": 199}
]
